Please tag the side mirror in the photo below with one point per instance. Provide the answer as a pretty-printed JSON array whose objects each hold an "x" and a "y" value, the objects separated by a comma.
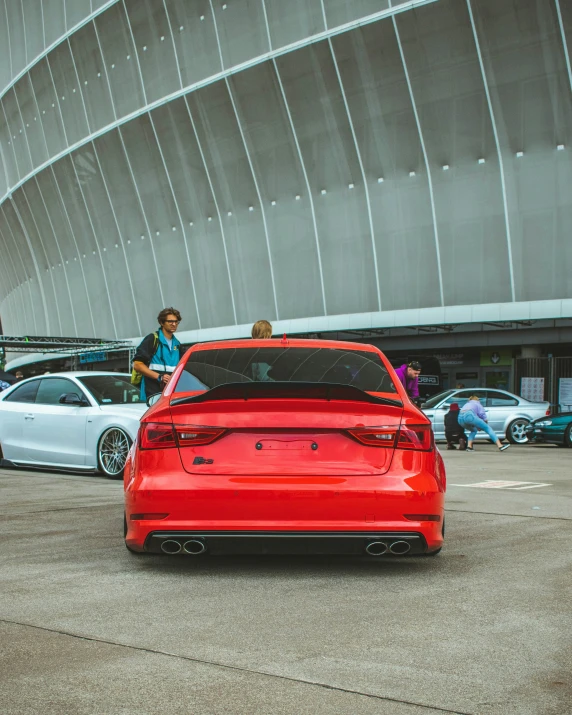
[
  {"x": 153, "y": 399},
  {"x": 72, "y": 398}
]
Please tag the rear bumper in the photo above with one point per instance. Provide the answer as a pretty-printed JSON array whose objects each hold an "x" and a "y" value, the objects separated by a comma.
[{"x": 377, "y": 544}]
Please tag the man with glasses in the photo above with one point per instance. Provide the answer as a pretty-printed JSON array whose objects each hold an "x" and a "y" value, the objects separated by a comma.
[{"x": 158, "y": 354}]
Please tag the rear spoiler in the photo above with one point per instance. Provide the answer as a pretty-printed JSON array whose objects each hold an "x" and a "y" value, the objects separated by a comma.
[{"x": 289, "y": 390}]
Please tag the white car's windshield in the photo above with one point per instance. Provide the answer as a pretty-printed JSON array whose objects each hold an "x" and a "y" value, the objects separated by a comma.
[
  {"x": 111, "y": 389},
  {"x": 436, "y": 399}
]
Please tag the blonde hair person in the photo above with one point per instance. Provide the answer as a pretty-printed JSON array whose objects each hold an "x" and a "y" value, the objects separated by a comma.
[
  {"x": 261, "y": 330},
  {"x": 474, "y": 418}
]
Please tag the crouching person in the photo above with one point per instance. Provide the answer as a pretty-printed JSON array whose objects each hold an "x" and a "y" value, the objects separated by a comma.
[{"x": 454, "y": 433}]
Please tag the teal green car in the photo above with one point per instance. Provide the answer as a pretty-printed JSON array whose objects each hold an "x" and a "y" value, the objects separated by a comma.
[{"x": 556, "y": 429}]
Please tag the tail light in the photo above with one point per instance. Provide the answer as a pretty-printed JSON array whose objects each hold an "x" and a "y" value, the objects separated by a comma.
[
  {"x": 548, "y": 412},
  {"x": 153, "y": 435},
  {"x": 418, "y": 437}
]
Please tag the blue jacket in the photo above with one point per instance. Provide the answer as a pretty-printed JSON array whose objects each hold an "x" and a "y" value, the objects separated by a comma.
[{"x": 155, "y": 352}]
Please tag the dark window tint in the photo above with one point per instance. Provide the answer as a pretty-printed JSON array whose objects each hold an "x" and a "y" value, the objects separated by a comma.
[
  {"x": 112, "y": 389},
  {"x": 51, "y": 389},
  {"x": 436, "y": 399},
  {"x": 499, "y": 399},
  {"x": 24, "y": 393},
  {"x": 461, "y": 398},
  {"x": 206, "y": 369}
]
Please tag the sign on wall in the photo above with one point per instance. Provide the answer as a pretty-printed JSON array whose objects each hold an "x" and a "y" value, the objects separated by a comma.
[
  {"x": 92, "y": 357},
  {"x": 428, "y": 379},
  {"x": 496, "y": 357},
  {"x": 565, "y": 393},
  {"x": 532, "y": 388}
]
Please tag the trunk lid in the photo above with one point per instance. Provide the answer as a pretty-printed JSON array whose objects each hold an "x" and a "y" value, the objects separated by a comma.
[{"x": 293, "y": 430}]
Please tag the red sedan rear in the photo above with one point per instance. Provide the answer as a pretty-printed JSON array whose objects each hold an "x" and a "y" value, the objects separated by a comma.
[{"x": 292, "y": 446}]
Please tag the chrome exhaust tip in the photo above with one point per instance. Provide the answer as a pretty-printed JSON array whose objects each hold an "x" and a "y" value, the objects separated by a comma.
[
  {"x": 194, "y": 547},
  {"x": 170, "y": 546},
  {"x": 400, "y": 547},
  {"x": 376, "y": 548}
]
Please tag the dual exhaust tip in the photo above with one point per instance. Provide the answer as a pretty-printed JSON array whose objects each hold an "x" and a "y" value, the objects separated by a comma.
[
  {"x": 379, "y": 548},
  {"x": 193, "y": 547}
]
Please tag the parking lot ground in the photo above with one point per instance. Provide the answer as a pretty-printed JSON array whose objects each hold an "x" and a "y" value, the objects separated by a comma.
[{"x": 86, "y": 627}]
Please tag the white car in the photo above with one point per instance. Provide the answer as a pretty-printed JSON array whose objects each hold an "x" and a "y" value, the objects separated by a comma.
[
  {"x": 74, "y": 420},
  {"x": 509, "y": 415}
]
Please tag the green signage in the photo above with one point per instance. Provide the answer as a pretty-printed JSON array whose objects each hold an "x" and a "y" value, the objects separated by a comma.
[{"x": 491, "y": 358}]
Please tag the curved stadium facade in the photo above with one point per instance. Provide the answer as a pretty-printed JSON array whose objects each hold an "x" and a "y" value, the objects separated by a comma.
[{"x": 323, "y": 164}]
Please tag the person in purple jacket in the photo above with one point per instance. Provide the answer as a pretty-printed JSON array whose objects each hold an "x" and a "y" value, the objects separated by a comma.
[
  {"x": 409, "y": 377},
  {"x": 474, "y": 418}
]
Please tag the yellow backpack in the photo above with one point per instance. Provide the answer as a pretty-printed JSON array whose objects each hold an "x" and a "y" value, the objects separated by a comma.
[{"x": 136, "y": 377}]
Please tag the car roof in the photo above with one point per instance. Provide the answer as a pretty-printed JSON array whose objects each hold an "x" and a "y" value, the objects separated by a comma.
[
  {"x": 290, "y": 343},
  {"x": 75, "y": 373}
]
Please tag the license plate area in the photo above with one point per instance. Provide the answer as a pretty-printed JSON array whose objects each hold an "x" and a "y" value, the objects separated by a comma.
[{"x": 291, "y": 445}]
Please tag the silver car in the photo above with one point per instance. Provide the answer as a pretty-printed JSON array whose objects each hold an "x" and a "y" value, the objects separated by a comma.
[{"x": 508, "y": 414}]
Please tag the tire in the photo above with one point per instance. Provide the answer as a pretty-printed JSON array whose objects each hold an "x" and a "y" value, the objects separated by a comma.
[
  {"x": 112, "y": 450},
  {"x": 515, "y": 432},
  {"x": 568, "y": 436}
]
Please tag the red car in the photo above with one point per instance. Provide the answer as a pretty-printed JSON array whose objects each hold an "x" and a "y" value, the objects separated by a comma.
[{"x": 292, "y": 446}]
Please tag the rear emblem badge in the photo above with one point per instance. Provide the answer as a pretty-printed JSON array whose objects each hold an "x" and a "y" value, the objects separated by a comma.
[{"x": 202, "y": 460}]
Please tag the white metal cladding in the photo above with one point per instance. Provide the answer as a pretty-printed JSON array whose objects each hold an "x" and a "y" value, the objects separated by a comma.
[{"x": 43, "y": 205}]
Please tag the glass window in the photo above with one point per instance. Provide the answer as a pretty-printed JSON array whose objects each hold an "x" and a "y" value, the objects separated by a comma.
[
  {"x": 499, "y": 399},
  {"x": 52, "y": 388},
  {"x": 212, "y": 368},
  {"x": 436, "y": 399},
  {"x": 461, "y": 398},
  {"x": 111, "y": 389},
  {"x": 24, "y": 393}
]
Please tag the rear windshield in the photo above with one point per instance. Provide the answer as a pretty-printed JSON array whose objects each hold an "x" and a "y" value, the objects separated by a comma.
[{"x": 206, "y": 369}]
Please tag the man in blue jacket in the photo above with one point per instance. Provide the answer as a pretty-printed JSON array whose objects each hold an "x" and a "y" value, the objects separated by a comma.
[{"x": 158, "y": 354}]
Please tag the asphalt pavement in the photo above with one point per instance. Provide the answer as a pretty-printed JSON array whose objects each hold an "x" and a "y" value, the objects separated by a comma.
[{"x": 484, "y": 627}]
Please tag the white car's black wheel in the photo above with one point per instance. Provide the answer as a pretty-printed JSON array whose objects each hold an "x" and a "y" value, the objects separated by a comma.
[
  {"x": 112, "y": 451},
  {"x": 516, "y": 431}
]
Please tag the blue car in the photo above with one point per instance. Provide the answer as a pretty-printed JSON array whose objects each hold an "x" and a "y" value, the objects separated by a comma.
[{"x": 556, "y": 429}]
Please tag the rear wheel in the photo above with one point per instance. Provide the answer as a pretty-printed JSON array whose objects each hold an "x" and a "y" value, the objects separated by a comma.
[
  {"x": 516, "y": 431},
  {"x": 112, "y": 452}
]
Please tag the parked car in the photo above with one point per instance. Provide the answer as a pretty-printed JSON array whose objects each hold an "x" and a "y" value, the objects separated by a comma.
[
  {"x": 293, "y": 446},
  {"x": 556, "y": 429},
  {"x": 509, "y": 415},
  {"x": 75, "y": 420}
]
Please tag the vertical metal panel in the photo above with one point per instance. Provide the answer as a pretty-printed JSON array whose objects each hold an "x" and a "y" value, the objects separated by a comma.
[
  {"x": 300, "y": 158},
  {"x": 209, "y": 179},
  {"x": 9, "y": 43},
  {"x": 564, "y": 43},
  {"x": 424, "y": 149},
  {"x": 497, "y": 142},
  {"x": 59, "y": 250}
]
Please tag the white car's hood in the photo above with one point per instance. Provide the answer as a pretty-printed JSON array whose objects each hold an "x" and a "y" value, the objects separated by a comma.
[{"x": 134, "y": 411}]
